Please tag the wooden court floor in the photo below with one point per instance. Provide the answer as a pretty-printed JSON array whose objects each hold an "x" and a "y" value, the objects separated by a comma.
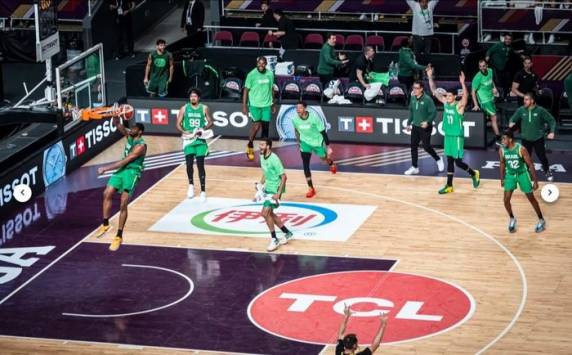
[{"x": 521, "y": 282}]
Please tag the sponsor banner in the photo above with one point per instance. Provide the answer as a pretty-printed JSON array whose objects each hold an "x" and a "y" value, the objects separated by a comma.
[
  {"x": 374, "y": 125},
  {"x": 54, "y": 167},
  {"x": 288, "y": 112},
  {"x": 224, "y": 216},
  {"x": 48, "y": 47},
  {"x": 344, "y": 123},
  {"x": 88, "y": 140},
  {"x": 49, "y": 165},
  {"x": 29, "y": 174},
  {"x": 47, "y": 36},
  {"x": 310, "y": 309},
  {"x": 160, "y": 116}
]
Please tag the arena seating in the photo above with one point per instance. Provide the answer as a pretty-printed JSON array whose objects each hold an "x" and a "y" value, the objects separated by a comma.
[
  {"x": 18, "y": 9},
  {"x": 449, "y": 8}
]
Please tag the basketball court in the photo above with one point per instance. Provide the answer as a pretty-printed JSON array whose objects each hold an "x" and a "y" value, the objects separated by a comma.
[{"x": 194, "y": 276}]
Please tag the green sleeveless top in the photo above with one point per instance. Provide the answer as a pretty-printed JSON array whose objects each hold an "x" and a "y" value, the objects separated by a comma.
[
  {"x": 136, "y": 164},
  {"x": 452, "y": 121},
  {"x": 160, "y": 66},
  {"x": 515, "y": 163},
  {"x": 194, "y": 118}
]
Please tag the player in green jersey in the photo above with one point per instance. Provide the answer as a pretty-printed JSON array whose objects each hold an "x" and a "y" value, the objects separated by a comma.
[
  {"x": 453, "y": 116},
  {"x": 258, "y": 102},
  {"x": 192, "y": 120},
  {"x": 127, "y": 173},
  {"x": 159, "y": 71},
  {"x": 312, "y": 138},
  {"x": 514, "y": 160},
  {"x": 483, "y": 91},
  {"x": 274, "y": 181}
]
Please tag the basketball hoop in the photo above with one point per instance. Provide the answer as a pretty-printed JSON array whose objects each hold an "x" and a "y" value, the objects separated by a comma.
[{"x": 124, "y": 112}]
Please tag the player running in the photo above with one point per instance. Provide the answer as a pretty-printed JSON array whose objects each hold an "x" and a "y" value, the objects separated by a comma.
[
  {"x": 274, "y": 181},
  {"x": 312, "y": 138}
]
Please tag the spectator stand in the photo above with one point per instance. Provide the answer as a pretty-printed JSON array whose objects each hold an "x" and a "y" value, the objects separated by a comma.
[
  {"x": 524, "y": 17},
  {"x": 234, "y": 36}
]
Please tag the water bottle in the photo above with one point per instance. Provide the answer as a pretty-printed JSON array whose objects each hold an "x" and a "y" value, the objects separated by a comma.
[
  {"x": 391, "y": 70},
  {"x": 396, "y": 68}
]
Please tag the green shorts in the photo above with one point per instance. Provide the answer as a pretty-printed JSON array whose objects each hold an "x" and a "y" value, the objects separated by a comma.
[
  {"x": 268, "y": 204},
  {"x": 198, "y": 150},
  {"x": 260, "y": 113},
  {"x": 522, "y": 180},
  {"x": 454, "y": 146},
  {"x": 318, "y": 150},
  {"x": 489, "y": 108},
  {"x": 124, "y": 180},
  {"x": 158, "y": 87}
]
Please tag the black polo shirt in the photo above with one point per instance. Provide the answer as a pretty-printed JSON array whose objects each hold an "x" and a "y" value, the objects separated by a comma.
[
  {"x": 528, "y": 82},
  {"x": 290, "y": 39},
  {"x": 362, "y": 64}
]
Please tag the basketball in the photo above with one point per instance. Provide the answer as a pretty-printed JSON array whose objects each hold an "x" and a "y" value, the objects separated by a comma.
[{"x": 126, "y": 112}]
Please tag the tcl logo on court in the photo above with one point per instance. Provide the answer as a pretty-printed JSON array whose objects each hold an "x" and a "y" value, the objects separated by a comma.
[{"x": 311, "y": 309}]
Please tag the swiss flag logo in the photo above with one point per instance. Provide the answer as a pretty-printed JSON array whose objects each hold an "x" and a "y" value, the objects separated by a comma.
[
  {"x": 80, "y": 145},
  {"x": 160, "y": 116},
  {"x": 364, "y": 124}
]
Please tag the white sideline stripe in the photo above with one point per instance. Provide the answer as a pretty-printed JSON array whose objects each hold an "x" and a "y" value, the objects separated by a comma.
[
  {"x": 405, "y": 158},
  {"x": 179, "y": 155},
  {"x": 171, "y": 162},
  {"x": 78, "y": 243},
  {"x": 399, "y": 151},
  {"x": 391, "y": 158}
]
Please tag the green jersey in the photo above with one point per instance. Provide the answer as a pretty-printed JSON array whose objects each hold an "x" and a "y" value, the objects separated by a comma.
[
  {"x": 514, "y": 162},
  {"x": 533, "y": 122},
  {"x": 452, "y": 121},
  {"x": 259, "y": 87},
  {"x": 194, "y": 118},
  {"x": 136, "y": 164},
  {"x": 499, "y": 54},
  {"x": 483, "y": 86},
  {"x": 273, "y": 170},
  {"x": 160, "y": 66},
  {"x": 421, "y": 109},
  {"x": 310, "y": 129}
]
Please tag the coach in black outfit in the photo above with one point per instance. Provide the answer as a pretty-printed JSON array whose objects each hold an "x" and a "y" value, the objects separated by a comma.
[
  {"x": 363, "y": 66},
  {"x": 525, "y": 81},
  {"x": 121, "y": 10},
  {"x": 286, "y": 31},
  {"x": 193, "y": 20}
]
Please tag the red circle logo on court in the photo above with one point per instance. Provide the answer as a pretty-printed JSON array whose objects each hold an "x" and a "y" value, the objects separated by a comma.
[{"x": 311, "y": 309}]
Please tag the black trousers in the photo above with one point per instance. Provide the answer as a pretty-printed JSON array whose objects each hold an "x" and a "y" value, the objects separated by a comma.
[
  {"x": 407, "y": 81},
  {"x": 540, "y": 149},
  {"x": 325, "y": 79},
  {"x": 195, "y": 38},
  {"x": 422, "y": 44},
  {"x": 125, "y": 38},
  {"x": 423, "y": 135},
  {"x": 503, "y": 80}
]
